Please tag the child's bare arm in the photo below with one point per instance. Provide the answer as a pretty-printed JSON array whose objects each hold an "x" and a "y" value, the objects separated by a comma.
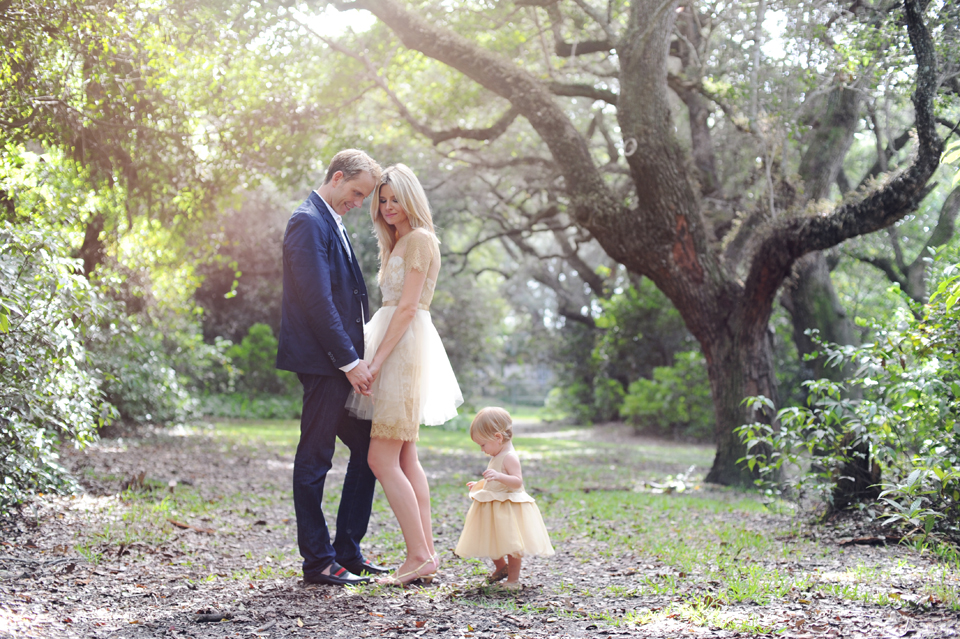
[{"x": 511, "y": 477}]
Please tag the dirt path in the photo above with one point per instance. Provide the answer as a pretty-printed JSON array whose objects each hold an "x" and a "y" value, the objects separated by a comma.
[{"x": 223, "y": 543}]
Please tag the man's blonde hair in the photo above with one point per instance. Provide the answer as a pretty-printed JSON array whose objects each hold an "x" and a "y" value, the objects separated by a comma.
[
  {"x": 490, "y": 421},
  {"x": 353, "y": 162}
]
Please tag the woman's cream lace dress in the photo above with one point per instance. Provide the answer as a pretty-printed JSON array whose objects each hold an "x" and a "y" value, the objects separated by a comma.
[{"x": 416, "y": 384}]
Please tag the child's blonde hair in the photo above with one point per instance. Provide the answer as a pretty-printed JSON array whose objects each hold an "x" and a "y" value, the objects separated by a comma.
[{"x": 490, "y": 421}]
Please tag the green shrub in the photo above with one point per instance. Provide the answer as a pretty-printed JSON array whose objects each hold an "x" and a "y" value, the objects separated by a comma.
[
  {"x": 574, "y": 399},
  {"x": 897, "y": 414},
  {"x": 138, "y": 374},
  {"x": 677, "y": 399},
  {"x": 47, "y": 394},
  {"x": 255, "y": 358},
  {"x": 245, "y": 406},
  {"x": 607, "y": 399},
  {"x": 637, "y": 331}
]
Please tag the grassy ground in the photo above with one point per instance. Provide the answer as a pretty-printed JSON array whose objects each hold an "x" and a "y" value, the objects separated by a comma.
[
  {"x": 184, "y": 521},
  {"x": 635, "y": 504}
]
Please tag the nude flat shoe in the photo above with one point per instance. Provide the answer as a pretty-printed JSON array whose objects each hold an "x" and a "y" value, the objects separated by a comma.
[{"x": 405, "y": 579}]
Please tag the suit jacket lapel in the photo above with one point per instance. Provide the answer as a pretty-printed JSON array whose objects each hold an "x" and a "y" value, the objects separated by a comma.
[
  {"x": 358, "y": 276},
  {"x": 354, "y": 264},
  {"x": 324, "y": 211}
]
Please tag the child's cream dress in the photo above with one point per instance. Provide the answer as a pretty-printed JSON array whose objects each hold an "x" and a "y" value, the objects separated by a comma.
[{"x": 502, "y": 521}]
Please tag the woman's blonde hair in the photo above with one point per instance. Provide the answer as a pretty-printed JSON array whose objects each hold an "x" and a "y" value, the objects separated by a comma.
[
  {"x": 490, "y": 421},
  {"x": 412, "y": 199}
]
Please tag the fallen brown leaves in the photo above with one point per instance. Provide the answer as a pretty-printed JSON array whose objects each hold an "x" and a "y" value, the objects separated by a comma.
[{"x": 82, "y": 567}]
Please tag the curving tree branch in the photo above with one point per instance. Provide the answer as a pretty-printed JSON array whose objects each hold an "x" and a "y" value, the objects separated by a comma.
[
  {"x": 583, "y": 91},
  {"x": 797, "y": 236},
  {"x": 592, "y": 202},
  {"x": 490, "y": 133}
]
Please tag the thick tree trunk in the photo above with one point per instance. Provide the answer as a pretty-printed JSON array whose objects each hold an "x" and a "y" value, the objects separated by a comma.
[
  {"x": 809, "y": 295},
  {"x": 812, "y": 301},
  {"x": 740, "y": 364}
]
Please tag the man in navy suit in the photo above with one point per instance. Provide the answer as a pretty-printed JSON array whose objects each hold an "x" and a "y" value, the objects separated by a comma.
[{"x": 321, "y": 339}]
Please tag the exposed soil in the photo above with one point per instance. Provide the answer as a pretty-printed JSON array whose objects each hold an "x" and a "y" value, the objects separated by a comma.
[{"x": 232, "y": 555}]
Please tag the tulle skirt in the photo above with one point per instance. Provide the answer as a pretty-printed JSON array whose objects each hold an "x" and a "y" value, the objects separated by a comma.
[
  {"x": 416, "y": 384},
  {"x": 495, "y": 529}
]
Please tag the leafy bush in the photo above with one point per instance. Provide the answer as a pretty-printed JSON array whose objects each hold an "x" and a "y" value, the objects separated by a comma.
[
  {"x": 139, "y": 374},
  {"x": 638, "y": 330},
  {"x": 47, "y": 394},
  {"x": 897, "y": 415},
  {"x": 607, "y": 398},
  {"x": 245, "y": 406},
  {"x": 676, "y": 400},
  {"x": 262, "y": 391},
  {"x": 255, "y": 357},
  {"x": 574, "y": 400}
]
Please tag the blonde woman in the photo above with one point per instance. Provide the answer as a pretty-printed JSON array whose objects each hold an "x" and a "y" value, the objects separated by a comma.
[{"x": 413, "y": 381}]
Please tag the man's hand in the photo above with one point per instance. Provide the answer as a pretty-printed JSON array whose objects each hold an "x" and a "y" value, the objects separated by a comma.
[{"x": 360, "y": 378}]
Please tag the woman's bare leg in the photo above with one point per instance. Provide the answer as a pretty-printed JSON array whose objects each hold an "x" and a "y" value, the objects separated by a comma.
[
  {"x": 410, "y": 464},
  {"x": 384, "y": 459}
]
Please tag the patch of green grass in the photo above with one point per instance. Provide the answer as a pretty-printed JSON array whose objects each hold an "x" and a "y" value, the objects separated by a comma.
[
  {"x": 265, "y": 571},
  {"x": 623, "y": 592},
  {"x": 279, "y": 433},
  {"x": 712, "y": 550}
]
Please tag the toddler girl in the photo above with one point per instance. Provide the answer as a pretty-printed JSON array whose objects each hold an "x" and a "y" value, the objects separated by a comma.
[{"x": 504, "y": 523}]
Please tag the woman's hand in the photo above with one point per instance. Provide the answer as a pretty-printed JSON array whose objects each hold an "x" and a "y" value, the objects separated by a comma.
[
  {"x": 373, "y": 370},
  {"x": 471, "y": 484}
]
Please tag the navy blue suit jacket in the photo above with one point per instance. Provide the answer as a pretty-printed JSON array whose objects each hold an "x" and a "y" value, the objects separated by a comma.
[{"x": 324, "y": 295}]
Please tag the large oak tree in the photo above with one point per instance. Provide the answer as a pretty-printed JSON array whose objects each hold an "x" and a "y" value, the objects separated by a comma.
[{"x": 652, "y": 208}]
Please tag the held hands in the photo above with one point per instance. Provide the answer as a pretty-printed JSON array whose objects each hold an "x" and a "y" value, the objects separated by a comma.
[
  {"x": 374, "y": 370},
  {"x": 360, "y": 378}
]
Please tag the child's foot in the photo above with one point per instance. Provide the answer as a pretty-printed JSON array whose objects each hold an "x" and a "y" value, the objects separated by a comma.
[
  {"x": 497, "y": 575},
  {"x": 512, "y": 585}
]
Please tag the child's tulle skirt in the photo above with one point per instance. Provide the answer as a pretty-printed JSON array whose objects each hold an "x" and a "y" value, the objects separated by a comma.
[{"x": 498, "y": 528}]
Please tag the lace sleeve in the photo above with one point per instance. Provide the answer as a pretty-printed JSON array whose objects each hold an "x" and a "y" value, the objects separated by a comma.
[{"x": 419, "y": 252}]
